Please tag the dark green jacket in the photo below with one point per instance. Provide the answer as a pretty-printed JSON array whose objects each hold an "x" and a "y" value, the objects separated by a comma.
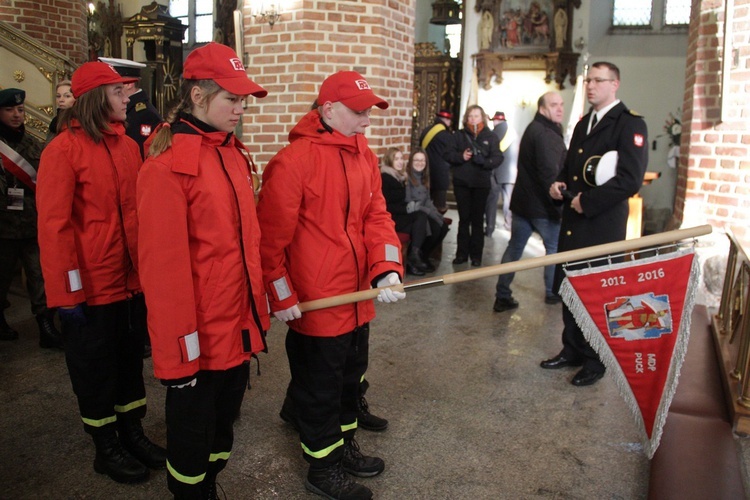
[{"x": 18, "y": 224}]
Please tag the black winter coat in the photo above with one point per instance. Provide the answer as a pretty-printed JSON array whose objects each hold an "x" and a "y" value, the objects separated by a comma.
[
  {"x": 540, "y": 158},
  {"x": 394, "y": 193},
  {"x": 476, "y": 172}
]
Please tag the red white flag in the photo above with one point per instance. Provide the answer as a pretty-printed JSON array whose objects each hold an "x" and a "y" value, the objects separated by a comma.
[
  {"x": 577, "y": 110},
  {"x": 636, "y": 316},
  {"x": 18, "y": 166}
]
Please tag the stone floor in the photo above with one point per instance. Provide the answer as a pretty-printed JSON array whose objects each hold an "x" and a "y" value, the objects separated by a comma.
[{"x": 472, "y": 416}]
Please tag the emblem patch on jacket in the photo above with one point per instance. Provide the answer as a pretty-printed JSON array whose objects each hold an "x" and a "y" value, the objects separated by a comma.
[
  {"x": 638, "y": 140},
  {"x": 140, "y": 106},
  {"x": 145, "y": 130}
]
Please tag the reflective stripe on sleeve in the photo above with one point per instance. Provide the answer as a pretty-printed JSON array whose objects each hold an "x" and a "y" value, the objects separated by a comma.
[
  {"x": 392, "y": 254},
  {"x": 282, "y": 288},
  {"x": 74, "y": 280}
]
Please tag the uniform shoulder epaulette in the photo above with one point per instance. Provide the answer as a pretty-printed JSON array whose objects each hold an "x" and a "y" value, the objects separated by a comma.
[
  {"x": 140, "y": 106},
  {"x": 635, "y": 113}
]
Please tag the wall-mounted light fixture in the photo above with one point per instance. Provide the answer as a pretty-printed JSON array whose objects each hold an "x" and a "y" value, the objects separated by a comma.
[
  {"x": 267, "y": 12},
  {"x": 524, "y": 102}
]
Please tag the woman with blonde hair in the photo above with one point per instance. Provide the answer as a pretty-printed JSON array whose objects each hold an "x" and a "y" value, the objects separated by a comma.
[
  {"x": 64, "y": 99},
  {"x": 200, "y": 260}
]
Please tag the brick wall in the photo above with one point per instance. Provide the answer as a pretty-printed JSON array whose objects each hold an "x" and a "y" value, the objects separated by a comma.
[
  {"x": 713, "y": 184},
  {"x": 316, "y": 38},
  {"x": 60, "y": 24}
]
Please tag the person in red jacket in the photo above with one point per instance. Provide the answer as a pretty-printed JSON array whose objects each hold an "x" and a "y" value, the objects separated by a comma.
[
  {"x": 325, "y": 232},
  {"x": 88, "y": 236},
  {"x": 200, "y": 266}
]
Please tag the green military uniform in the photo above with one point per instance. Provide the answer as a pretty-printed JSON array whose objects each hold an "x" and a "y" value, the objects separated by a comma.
[{"x": 18, "y": 217}]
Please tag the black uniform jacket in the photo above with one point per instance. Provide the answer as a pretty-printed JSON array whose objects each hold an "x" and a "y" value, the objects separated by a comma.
[
  {"x": 605, "y": 207},
  {"x": 142, "y": 118},
  {"x": 540, "y": 158},
  {"x": 440, "y": 176}
]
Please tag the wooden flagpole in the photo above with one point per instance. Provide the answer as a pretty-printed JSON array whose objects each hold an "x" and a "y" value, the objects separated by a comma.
[{"x": 617, "y": 247}]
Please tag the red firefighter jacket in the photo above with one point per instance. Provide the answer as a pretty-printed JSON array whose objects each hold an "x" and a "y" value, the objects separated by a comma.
[
  {"x": 325, "y": 227},
  {"x": 200, "y": 266},
  {"x": 88, "y": 228}
]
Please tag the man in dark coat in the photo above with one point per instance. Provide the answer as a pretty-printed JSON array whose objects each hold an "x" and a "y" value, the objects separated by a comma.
[
  {"x": 142, "y": 116},
  {"x": 19, "y": 161},
  {"x": 436, "y": 140},
  {"x": 540, "y": 158},
  {"x": 597, "y": 214}
]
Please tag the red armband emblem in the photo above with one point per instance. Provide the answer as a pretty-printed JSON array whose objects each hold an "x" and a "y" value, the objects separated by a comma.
[{"x": 638, "y": 140}]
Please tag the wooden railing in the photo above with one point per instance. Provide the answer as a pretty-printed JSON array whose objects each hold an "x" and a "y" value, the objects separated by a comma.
[{"x": 731, "y": 330}]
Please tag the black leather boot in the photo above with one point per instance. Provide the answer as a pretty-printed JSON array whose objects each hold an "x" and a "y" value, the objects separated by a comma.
[
  {"x": 6, "y": 332},
  {"x": 133, "y": 440},
  {"x": 49, "y": 336},
  {"x": 415, "y": 259},
  {"x": 332, "y": 482},
  {"x": 113, "y": 460},
  {"x": 368, "y": 421}
]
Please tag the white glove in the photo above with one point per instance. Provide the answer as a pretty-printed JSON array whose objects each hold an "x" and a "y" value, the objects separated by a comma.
[
  {"x": 387, "y": 295},
  {"x": 191, "y": 384},
  {"x": 411, "y": 207},
  {"x": 288, "y": 314}
]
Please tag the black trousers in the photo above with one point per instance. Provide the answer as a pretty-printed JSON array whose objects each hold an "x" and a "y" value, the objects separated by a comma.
[
  {"x": 27, "y": 250},
  {"x": 575, "y": 346},
  {"x": 325, "y": 387},
  {"x": 105, "y": 363},
  {"x": 471, "y": 203},
  {"x": 200, "y": 429}
]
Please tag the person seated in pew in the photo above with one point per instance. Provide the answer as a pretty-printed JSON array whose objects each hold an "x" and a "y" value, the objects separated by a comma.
[{"x": 407, "y": 217}]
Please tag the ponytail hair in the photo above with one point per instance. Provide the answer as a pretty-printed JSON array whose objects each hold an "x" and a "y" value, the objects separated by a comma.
[{"x": 163, "y": 137}]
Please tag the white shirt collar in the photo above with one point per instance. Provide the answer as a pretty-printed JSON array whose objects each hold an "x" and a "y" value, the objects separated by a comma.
[{"x": 600, "y": 114}]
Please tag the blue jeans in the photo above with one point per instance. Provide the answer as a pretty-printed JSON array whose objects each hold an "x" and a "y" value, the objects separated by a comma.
[{"x": 520, "y": 232}]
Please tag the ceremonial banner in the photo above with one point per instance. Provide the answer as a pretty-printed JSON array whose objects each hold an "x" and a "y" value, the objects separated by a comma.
[{"x": 636, "y": 316}]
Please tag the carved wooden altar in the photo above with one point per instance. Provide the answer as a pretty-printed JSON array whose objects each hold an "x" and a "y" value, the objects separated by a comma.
[
  {"x": 162, "y": 36},
  {"x": 437, "y": 85},
  {"x": 526, "y": 35}
]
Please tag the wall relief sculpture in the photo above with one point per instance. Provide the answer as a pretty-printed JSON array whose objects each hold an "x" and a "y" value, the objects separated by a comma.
[{"x": 526, "y": 35}]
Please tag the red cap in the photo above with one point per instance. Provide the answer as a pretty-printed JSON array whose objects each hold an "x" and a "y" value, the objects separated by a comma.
[
  {"x": 220, "y": 63},
  {"x": 499, "y": 115},
  {"x": 91, "y": 75},
  {"x": 350, "y": 89},
  {"x": 445, "y": 114}
]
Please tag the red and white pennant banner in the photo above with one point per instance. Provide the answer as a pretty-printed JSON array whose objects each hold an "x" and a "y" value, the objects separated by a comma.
[{"x": 636, "y": 316}]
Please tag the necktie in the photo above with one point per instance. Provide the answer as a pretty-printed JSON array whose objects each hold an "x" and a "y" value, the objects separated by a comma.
[{"x": 593, "y": 122}]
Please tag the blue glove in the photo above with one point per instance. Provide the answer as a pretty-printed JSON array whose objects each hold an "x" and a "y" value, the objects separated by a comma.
[{"x": 73, "y": 315}]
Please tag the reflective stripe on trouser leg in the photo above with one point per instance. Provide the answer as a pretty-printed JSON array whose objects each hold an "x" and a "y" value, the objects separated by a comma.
[
  {"x": 200, "y": 431},
  {"x": 326, "y": 374},
  {"x": 105, "y": 371}
]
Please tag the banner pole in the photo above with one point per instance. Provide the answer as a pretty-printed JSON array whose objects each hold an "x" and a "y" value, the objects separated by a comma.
[{"x": 651, "y": 240}]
